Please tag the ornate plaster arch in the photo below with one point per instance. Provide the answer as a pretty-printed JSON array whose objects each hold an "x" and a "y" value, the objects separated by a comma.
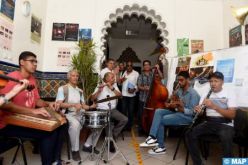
[{"x": 135, "y": 9}]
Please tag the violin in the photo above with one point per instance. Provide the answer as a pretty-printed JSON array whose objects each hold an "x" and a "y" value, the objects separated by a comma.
[{"x": 4, "y": 80}]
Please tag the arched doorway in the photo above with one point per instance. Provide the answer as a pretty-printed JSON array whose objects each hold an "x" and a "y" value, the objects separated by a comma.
[{"x": 130, "y": 23}]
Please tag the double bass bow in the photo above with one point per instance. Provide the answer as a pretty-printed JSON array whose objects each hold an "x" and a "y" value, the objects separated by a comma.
[{"x": 157, "y": 96}]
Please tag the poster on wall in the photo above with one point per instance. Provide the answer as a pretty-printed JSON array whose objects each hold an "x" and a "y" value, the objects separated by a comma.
[
  {"x": 58, "y": 33},
  {"x": 197, "y": 46},
  {"x": 35, "y": 29},
  {"x": 64, "y": 57},
  {"x": 246, "y": 34},
  {"x": 235, "y": 36},
  {"x": 8, "y": 8},
  {"x": 6, "y": 34},
  {"x": 182, "y": 46},
  {"x": 71, "y": 32},
  {"x": 227, "y": 68},
  {"x": 183, "y": 64},
  {"x": 85, "y": 34},
  {"x": 202, "y": 60}
]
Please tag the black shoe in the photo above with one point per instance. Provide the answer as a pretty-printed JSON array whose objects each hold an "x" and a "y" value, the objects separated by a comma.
[
  {"x": 76, "y": 156},
  {"x": 112, "y": 147},
  {"x": 89, "y": 149}
]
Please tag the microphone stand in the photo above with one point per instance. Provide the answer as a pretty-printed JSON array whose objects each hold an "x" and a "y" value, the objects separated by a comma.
[{"x": 108, "y": 139}]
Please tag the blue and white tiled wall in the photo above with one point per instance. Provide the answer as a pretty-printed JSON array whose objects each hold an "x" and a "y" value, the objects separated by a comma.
[{"x": 48, "y": 81}]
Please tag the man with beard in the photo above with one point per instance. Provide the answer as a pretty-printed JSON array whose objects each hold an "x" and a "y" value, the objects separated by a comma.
[{"x": 182, "y": 113}]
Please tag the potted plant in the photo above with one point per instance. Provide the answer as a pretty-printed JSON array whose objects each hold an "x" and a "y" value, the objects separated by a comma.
[{"x": 84, "y": 62}]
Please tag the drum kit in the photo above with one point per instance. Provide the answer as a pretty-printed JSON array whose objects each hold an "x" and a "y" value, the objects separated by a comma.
[{"x": 98, "y": 120}]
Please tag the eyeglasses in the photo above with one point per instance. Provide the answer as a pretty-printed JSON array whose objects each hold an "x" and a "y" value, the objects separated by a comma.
[
  {"x": 180, "y": 79},
  {"x": 32, "y": 61}
]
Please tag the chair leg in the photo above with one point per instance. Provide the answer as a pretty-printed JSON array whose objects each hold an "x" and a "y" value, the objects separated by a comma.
[
  {"x": 122, "y": 135},
  {"x": 1, "y": 160},
  {"x": 68, "y": 146},
  {"x": 240, "y": 151},
  {"x": 178, "y": 145},
  {"x": 14, "y": 158},
  {"x": 187, "y": 158},
  {"x": 23, "y": 153},
  {"x": 245, "y": 152}
]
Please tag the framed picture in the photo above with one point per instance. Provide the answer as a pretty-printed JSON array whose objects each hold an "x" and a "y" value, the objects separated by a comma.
[
  {"x": 71, "y": 32},
  {"x": 58, "y": 31}
]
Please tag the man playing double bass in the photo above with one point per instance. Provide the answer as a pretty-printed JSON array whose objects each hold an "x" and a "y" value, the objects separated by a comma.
[
  {"x": 145, "y": 83},
  {"x": 188, "y": 98}
]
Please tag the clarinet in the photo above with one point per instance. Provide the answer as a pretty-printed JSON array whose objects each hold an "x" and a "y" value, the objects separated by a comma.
[{"x": 203, "y": 108}]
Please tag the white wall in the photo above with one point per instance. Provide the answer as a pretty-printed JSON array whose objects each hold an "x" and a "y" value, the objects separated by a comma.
[
  {"x": 142, "y": 48},
  {"x": 200, "y": 19},
  {"x": 64, "y": 11},
  {"x": 209, "y": 20},
  {"x": 22, "y": 33},
  {"x": 229, "y": 21},
  {"x": 183, "y": 18}
]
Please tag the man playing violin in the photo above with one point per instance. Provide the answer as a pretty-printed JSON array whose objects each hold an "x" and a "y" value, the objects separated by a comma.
[
  {"x": 110, "y": 89},
  {"x": 71, "y": 98},
  {"x": 27, "y": 102},
  {"x": 188, "y": 98}
]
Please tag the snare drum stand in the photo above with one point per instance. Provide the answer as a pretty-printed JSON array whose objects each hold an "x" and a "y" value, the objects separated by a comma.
[{"x": 106, "y": 143}]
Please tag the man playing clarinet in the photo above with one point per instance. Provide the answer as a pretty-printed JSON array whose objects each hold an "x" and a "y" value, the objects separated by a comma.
[{"x": 220, "y": 110}]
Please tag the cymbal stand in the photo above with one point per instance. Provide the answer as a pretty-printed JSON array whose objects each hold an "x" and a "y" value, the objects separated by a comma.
[{"x": 106, "y": 143}]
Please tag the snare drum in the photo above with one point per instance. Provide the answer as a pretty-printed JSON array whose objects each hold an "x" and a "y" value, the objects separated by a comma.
[{"x": 95, "y": 119}]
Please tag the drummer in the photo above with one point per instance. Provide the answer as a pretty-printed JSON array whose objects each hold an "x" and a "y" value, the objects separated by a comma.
[
  {"x": 71, "y": 99},
  {"x": 109, "y": 89}
]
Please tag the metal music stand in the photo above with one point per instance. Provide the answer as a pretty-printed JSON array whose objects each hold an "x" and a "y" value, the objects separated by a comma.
[{"x": 107, "y": 141}]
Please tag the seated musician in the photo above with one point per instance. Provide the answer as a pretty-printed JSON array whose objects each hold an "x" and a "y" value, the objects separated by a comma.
[
  {"x": 71, "y": 98},
  {"x": 220, "y": 111},
  {"x": 25, "y": 102},
  {"x": 110, "y": 89},
  {"x": 188, "y": 98}
]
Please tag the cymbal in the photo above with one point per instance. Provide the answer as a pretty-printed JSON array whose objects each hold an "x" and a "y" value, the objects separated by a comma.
[{"x": 108, "y": 99}]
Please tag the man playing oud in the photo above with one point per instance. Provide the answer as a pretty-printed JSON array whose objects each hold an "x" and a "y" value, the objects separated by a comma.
[{"x": 182, "y": 113}]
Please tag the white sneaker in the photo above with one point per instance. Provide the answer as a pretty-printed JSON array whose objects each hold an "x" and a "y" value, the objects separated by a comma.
[
  {"x": 157, "y": 151},
  {"x": 150, "y": 142}
]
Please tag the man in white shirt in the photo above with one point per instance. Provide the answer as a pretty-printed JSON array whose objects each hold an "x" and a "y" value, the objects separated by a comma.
[
  {"x": 220, "y": 111},
  {"x": 71, "y": 98},
  {"x": 110, "y": 89},
  {"x": 129, "y": 89},
  {"x": 110, "y": 64}
]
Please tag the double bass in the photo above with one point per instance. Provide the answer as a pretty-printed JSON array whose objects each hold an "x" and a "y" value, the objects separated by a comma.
[{"x": 157, "y": 96}]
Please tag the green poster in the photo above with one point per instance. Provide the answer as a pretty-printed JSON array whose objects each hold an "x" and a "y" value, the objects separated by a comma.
[{"x": 182, "y": 46}]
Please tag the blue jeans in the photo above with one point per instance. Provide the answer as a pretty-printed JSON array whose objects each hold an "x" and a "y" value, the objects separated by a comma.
[{"x": 164, "y": 117}]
